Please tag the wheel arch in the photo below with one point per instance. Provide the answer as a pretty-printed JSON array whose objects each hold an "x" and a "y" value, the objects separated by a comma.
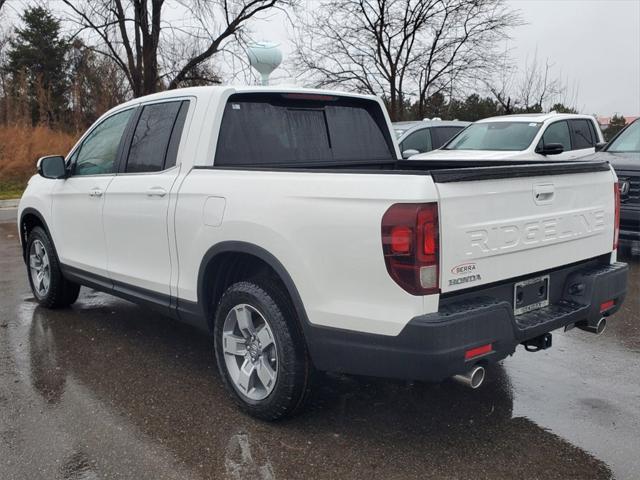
[
  {"x": 30, "y": 218},
  {"x": 207, "y": 276}
]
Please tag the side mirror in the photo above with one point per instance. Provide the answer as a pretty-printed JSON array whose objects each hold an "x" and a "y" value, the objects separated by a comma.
[
  {"x": 551, "y": 149},
  {"x": 52, "y": 166},
  {"x": 409, "y": 153},
  {"x": 600, "y": 145}
]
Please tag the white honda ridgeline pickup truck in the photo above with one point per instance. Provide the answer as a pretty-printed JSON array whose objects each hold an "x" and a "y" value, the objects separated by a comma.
[{"x": 283, "y": 222}]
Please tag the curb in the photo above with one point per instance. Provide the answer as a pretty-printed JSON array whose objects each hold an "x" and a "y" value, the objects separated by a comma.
[{"x": 13, "y": 203}]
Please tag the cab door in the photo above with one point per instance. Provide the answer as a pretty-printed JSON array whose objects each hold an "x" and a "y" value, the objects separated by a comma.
[
  {"x": 136, "y": 208},
  {"x": 583, "y": 137},
  {"x": 78, "y": 201},
  {"x": 558, "y": 132}
]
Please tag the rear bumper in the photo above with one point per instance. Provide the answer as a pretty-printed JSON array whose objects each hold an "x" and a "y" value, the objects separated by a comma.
[{"x": 432, "y": 347}]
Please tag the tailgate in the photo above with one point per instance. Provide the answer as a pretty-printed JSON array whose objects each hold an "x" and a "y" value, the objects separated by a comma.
[{"x": 513, "y": 221}]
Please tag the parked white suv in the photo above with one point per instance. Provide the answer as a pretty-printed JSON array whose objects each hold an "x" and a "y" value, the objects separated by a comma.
[
  {"x": 426, "y": 135},
  {"x": 282, "y": 222},
  {"x": 544, "y": 136}
]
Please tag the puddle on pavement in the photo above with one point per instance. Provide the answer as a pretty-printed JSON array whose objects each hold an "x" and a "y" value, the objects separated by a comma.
[{"x": 123, "y": 391}]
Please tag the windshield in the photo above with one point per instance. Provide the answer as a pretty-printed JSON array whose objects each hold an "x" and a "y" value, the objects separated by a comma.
[
  {"x": 507, "y": 136},
  {"x": 627, "y": 141}
]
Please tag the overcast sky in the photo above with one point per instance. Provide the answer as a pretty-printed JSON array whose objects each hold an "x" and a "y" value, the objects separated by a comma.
[
  {"x": 595, "y": 43},
  {"x": 594, "y": 46}
]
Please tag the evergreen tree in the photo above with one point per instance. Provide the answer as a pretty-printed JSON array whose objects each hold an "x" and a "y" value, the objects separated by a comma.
[
  {"x": 616, "y": 124},
  {"x": 561, "y": 108},
  {"x": 37, "y": 63},
  {"x": 476, "y": 108}
]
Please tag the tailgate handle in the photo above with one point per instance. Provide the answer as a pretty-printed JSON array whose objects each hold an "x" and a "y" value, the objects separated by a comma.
[{"x": 543, "y": 194}]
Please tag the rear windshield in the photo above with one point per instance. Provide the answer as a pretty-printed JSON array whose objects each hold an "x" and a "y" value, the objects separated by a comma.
[
  {"x": 299, "y": 130},
  {"x": 506, "y": 136}
]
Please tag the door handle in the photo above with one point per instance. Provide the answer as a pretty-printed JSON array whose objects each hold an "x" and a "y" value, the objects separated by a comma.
[
  {"x": 95, "y": 192},
  {"x": 156, "y": 192},
  {"x": 543, "y": 194}
]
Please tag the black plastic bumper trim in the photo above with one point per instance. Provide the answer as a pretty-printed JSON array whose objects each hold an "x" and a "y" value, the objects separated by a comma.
[{"x": 431, "y": 347}]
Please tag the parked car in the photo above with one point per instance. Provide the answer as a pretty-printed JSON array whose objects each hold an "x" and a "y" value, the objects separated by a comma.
[
  {"x": 543, "y": 136},
  {"x": 623, "y": 152},
  {"x": 282, "y": 222},
  {"x": 426, "y": 135}
]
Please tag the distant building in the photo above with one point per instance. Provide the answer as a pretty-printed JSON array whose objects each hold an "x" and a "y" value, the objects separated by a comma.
[{"x": 604, "y": 121}]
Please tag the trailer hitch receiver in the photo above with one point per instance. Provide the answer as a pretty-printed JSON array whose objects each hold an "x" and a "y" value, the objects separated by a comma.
[{"x": 538, "y": 343}]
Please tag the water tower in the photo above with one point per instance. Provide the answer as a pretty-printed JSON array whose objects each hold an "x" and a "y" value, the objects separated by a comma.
[{"x": 265, "y": 58}]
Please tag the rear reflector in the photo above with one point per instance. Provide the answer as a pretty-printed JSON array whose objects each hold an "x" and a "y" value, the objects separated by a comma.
[
  {"x": 476, "y": 352},
  {"x": 606, "y": 305}
]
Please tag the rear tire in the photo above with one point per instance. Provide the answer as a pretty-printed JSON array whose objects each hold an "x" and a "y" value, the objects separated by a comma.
[
  {"x": 260, "y": 350},
  {"x": 48, "y": 285}
]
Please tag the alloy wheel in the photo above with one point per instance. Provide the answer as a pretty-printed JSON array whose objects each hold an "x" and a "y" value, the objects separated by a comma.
[
  {"x": 40, "y": 269},
  {"x": 250, "y": 352}
]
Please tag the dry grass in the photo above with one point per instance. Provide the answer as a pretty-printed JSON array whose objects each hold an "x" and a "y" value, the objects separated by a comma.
[{"x": 20, "y": 148}]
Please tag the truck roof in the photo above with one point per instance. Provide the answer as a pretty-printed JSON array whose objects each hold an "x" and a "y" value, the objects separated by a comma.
[
  {"x": 220, "y": 90},
  {"x": 533, "y": 117},
  {"x": 430, "y": 123}
]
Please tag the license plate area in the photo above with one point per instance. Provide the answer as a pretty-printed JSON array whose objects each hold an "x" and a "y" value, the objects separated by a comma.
[{"x": 530, "y": 295}]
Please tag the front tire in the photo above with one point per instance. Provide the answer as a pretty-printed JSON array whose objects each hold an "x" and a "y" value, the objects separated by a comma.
[
  {"x": 48, "y": 285},
  {"x": 260, "y": 350}
]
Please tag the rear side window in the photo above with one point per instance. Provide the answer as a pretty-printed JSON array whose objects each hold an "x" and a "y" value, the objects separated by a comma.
[
  {"x": 441, "y": 135},
  {"x": 558, "y": 132},
  {"x": 156, "y": 137},
  {"x": 293, "y": 129},
  {"x": 581, "y": 134},
  {"x": 420, "y": 141}
]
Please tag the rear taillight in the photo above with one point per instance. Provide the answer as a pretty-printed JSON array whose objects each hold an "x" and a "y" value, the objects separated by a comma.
[
  {"x": 616, "y": 218},
  {"x": 410, "y": 245}
]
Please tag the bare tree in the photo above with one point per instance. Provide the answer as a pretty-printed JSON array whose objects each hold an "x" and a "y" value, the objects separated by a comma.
[
  {"x": 4, "y": 77},
  {"x": 460, "y": 46},
  {"x": 531, "y": 89},
  {"x": 131, "y": 34},
  {"x": 398, "y": 48}
]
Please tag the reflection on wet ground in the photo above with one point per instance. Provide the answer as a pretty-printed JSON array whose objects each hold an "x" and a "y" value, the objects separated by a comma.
[{"x": 109, "y": 390}]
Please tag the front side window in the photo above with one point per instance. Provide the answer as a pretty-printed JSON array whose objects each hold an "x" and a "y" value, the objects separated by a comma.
[
  {"x": 441, "y": 135},
  {"x": 98, "y": 153},
  {"x": 420, "y": 141},
  {"x": 628, "y": 140},
  {"x": 294, "y": 129},
  {"x": 151, "y": 139},
  {"x": 581, "y": 134},
  {"x": 503, "y": 136},
  {"x": 558, "y": 132}
]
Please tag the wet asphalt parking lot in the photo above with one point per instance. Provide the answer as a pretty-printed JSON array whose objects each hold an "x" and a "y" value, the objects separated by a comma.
[{"x": 107, "y": 389}]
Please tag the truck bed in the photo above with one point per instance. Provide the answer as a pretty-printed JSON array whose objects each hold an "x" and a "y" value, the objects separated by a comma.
[{"x": 441, "y": 171}]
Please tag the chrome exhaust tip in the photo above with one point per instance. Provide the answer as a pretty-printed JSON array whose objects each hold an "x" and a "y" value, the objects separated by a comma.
[
  {"x": 597, "y": 328},
  {"x": 472, "y": 379}
]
